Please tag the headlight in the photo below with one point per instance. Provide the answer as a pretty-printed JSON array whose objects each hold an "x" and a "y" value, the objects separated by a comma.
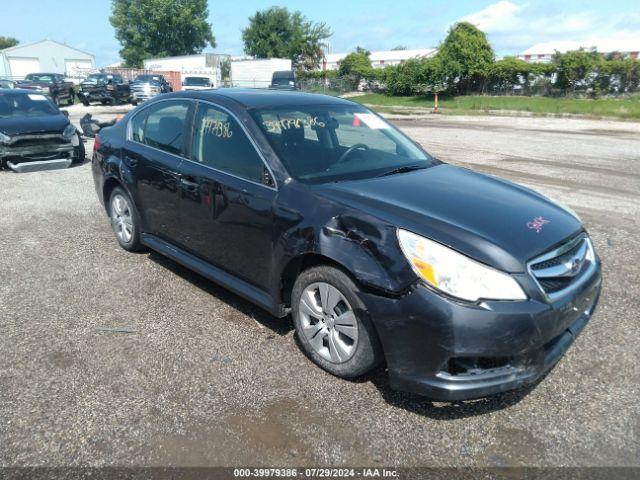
[
  {"x": 69, "y": 131},
  {"x": 45, "y": 90},
  {"x": 4, "y": 138},
  {"x": 456, "y": 274}
]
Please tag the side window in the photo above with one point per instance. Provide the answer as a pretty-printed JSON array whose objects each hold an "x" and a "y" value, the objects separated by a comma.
[
  {"x": 220, "y": 142},
  {"x": 137, "y": 126},
  {"x": 165, "y": 126}
]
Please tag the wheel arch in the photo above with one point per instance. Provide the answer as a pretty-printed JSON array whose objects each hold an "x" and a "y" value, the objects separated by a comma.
[{"x": 299, "y": 264}]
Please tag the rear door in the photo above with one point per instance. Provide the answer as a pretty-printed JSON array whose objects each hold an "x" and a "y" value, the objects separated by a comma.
[
  {"x": 226, "y": 196},
  {"x": 154, "y": 150}
]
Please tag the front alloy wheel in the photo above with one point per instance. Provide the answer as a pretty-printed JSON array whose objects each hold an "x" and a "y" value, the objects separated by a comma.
[
  {"x": 328, "y": 322},
  {"x": 331, "y": 322}
]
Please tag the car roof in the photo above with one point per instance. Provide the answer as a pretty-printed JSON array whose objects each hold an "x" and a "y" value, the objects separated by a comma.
[{"x": 251, "y": 98}]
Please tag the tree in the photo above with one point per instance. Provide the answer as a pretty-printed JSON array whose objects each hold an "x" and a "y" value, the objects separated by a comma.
[
  {"x": 399, "y": 47},
  {"x": 356, "y": 66},
  {"x": 276, "y": 32},
  {"x": 574, "y": 68},
  {"x": 466, "y": 57},
  {"x": 415, "y": 77},
  {"x": 510, "y": 72},
  {"x": 160, "y": 28},
  {"x": 7, "y": 42},
  {"x": 225, "y": 69}
]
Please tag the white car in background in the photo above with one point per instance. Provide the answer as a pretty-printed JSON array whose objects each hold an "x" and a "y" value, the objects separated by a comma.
[{"x": 197, "y": 83}]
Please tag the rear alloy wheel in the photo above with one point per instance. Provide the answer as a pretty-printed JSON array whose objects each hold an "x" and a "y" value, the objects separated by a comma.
[
  {"x": 331, "y": 324},
  {"x": 124, "y": 220}
]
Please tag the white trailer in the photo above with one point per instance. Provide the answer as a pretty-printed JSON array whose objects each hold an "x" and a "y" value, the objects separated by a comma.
[
  {"x": 256, "y": 73},
  {"x": 201, "y": 65}
]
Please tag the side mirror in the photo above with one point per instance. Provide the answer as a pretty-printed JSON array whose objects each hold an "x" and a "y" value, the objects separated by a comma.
[{"x": 65, "y": 113}]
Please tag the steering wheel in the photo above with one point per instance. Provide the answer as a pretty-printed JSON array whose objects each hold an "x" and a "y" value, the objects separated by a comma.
[{"x": 350, "y": 150}]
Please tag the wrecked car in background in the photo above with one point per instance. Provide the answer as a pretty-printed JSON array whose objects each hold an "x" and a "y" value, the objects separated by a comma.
[
  {"x": 147, "y": 86},
  {"x": 52, "y": 84},
  {"x": 35, "y": 134},
  {"x": 7, "y": 83},
  {"x": 106, "y": 88}
]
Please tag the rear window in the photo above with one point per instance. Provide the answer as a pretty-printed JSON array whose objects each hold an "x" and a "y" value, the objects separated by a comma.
[{"x": 197, "y": 82}]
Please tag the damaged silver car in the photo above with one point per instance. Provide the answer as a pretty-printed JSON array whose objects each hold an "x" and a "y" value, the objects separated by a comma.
[{"x": 35, "y": 134}]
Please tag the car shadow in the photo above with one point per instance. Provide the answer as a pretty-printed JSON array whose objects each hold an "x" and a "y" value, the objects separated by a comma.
[
  {"x": 280, "y": 326},
  {"x": 447, "y": 410},
  {"x": 411, "y": 402}
]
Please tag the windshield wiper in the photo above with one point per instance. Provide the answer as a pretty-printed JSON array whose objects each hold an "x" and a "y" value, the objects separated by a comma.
[{"x": 405, "y": 169}]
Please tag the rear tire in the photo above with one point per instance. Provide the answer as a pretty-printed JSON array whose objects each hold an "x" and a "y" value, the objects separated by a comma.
[
  {"x": 125, "y": 220},
  {"x": 331, "y": 323},
  {"x": 86, "y": 103},
  {"x": 72, "y": 99}
]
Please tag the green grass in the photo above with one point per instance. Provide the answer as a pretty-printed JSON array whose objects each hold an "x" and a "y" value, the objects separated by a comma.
[{"x": 619, "y": 108}]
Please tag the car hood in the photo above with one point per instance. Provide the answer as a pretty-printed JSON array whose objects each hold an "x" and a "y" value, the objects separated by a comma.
[
  {"x": 32, "y": 84},
  {"x": 33, "y": 125},
  {"x": 486, "y": 218}
]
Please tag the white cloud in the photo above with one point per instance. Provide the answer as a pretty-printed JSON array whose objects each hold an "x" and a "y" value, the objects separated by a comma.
[{"x": 514, "y": 27}]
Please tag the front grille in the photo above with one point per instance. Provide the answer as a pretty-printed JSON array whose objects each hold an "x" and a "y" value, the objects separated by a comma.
[
  {"x": 559, "y": 269},
  {"x": 36, "y": 141}
]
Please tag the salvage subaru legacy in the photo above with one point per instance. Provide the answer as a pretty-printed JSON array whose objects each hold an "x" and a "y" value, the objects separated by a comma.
[{"x": 314, "y": 206}]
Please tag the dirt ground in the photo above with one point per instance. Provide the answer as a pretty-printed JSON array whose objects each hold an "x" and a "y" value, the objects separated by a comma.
[{"x": 112, "y": 358}]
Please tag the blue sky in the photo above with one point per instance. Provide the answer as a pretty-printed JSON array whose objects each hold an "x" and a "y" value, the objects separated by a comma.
[{"x": 512, "y": 25}]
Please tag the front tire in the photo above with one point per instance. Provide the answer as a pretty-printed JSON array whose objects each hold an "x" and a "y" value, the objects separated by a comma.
[
  {"x": 124, "y": 220},
  {"x": 331, "y": 323}
]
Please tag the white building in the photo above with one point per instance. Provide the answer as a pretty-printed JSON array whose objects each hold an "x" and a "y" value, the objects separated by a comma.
[
  {"x": 543, "y": 52},
  {"x": 256, "y": 73},
  {"x": 379, "y": 59},
  {"x": 46, "y": 56}
]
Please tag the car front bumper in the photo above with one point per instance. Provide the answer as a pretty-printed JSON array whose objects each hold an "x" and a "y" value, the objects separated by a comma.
[{"x": 449, "y": 350}]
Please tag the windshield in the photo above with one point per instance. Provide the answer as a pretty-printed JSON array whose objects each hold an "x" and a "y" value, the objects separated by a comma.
[
  {"x": 327, "y": 143},
  {"x": 97, "y": 77},
  {"x": 147, "y": 78},
  {"x": 40, "y": 77},
  {"x": 196, "y": 82},
  {"x": 23, "y": 104}
]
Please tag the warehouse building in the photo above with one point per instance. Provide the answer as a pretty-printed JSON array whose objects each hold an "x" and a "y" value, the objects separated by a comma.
[
  {"x": 380, "y": 59},
  {"x": 544, "y": 52},
  {"x": 45, "y": 56}
]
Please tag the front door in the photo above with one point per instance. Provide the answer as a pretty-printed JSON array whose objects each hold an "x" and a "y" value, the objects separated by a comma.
[
  {"x": 153, "y": 153},
  {"x": 227, "y": 196}
]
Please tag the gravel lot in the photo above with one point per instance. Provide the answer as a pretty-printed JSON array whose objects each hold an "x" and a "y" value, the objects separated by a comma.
[{"x": 197, "y": 376}]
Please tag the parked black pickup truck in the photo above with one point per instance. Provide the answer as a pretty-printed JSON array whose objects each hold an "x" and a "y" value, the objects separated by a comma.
[
  {"x": 52, "y": 84},
  {"x": 105, "y": 88}
]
